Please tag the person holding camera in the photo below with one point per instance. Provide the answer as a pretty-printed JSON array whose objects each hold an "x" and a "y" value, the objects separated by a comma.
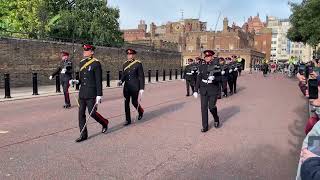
[{"x": 208, "y": 82}]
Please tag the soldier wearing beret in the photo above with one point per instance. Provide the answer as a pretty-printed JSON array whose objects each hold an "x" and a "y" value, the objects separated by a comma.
[
  {"x": 65, "y": 72},
  {"x": 230, "y": 74},
  {"x": 133, "y": 77},
  {"x": 90, "y": 93},
  {"x": 190, "y": 75},
  {"x": 209, "y": 89}
]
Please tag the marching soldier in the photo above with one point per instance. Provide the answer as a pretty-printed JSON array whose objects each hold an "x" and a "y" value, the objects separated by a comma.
[
  {"x": 230, "y": 75},
  {"x": 133, "y": 77},
  {"x": 224, "y": 78},
  {"x": 209, "y": 89},
  {"x": 239, "y": 65},
  {"x": 90, "y": 93},
  {"x": 65, "y": 72},
  {"x": 190, "y": 76},
  {"x": 234, "y": 73}
]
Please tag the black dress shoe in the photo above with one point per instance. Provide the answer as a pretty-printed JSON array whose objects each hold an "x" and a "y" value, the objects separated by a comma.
[
  {"x": 188, "y": 95},
  {"x": 127, "y": 123},
  {"x": 204, "y": 130},
  {"x": 67, "y": 106},
  {"x": 219, "y": 97},
  {"x": 225, "y": 95},
  {"x": 81, "y": 138},
  {"x": 235, "y": 92},
  {"x": 140, "y": 116},
  {"x": 216, "y": 124},
  {"x": 104, "y": 129}
]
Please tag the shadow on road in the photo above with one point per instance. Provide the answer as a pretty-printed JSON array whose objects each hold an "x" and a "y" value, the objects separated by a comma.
[
  {"x": 148, "y": 116},
  {"x": 225, "y": 114}
]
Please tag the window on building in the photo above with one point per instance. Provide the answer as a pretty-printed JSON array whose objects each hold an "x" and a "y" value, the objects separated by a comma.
[
  {"x": 273, "y": 42},
  {"x": 264, "y": 42},
  {"x": 300, "y": 51},
  {"x": 256, "y": 43}
]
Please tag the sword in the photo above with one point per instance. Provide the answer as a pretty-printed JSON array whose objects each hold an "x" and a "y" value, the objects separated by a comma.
[{"x": 85, "y": 125}]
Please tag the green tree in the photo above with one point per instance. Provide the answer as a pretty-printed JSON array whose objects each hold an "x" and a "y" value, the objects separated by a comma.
[
  {"x": 305, "y": 20},
  {"x": 92, "y": 21}
]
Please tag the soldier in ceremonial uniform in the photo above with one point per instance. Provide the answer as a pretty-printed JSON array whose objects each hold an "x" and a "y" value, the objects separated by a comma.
[
  {"x": 209, "y": 88},
  {"x": 90, "y": 93},
  {"x": 190, "y": 76},
  {"x": 224, "y": 78},
  {"x": 234, "y": 73},
  {"x": 230, "y": 75},
  {"x": 133, "y": 77},
  {"x": 65, "y": 72}
]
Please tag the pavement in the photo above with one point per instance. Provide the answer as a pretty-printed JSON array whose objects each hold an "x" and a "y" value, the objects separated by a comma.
[
  {"x": 260, "y": 137},
  {"x": 19, "y": 93}
]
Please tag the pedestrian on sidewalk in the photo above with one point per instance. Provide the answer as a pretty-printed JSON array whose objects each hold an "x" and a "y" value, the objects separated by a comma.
[
  {"x": 133, "y": 77},
  {"x": 90, "y": 93},
  {"x": 64, "y": 70},
  {"x": 209, "y": 89}
]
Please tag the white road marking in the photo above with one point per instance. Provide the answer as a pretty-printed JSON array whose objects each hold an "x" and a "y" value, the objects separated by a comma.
[{"x": 3, "y": 132}]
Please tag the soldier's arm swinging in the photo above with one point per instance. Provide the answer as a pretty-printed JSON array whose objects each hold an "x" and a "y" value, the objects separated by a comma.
[
  {"x": 57, "y": 71},
  {"x": 98, "y": 77},
  {"x": 141, "y": 76}
]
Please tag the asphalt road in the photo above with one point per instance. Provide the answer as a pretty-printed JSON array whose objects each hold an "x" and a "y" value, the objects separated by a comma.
[{"x": 260, "y": 136}]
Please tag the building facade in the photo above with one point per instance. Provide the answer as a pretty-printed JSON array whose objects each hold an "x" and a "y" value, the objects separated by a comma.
[{"x": 281, "y": 47}]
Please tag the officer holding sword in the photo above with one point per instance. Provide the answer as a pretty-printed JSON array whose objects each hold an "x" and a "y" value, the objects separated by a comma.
[
  {"x": 134, "y": 82},
  {"x": 90, "y": 93}
]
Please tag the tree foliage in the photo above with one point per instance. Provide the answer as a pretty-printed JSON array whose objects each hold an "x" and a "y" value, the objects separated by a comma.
[
  {"x": 81, "y": 20},
  {"x": 305, "y": 20}
]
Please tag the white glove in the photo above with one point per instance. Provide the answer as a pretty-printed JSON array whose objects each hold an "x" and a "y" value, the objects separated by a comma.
[
  {"x": 71, "y": 82},
  {"x": 98, "y": 99},
  {"x": 236, "y": 69},
  {"x": 223, "y": 72},
  {"x": 50, "y": 77},
  {"x": 63, "y": 71},
  {"x": 195, "y": 95},
  {"x": 211, "y": 78},
  {"x": 230, "y": 71},
  {"x": 192, "y": 72},
  {"x": 120, "y": 83},
  {"x": 141, "y": 92}
]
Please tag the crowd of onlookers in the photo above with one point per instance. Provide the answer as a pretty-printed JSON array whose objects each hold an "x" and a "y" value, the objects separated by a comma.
[
  {"x": 309, "y": 81},
  {"x": 276, "y": 67}
]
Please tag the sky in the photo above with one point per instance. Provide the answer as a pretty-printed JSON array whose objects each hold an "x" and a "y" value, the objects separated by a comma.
[{"x": 162, "y": 11}]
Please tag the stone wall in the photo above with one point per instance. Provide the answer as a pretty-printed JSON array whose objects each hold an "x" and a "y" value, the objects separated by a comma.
[{"x": 21, "y": 57}]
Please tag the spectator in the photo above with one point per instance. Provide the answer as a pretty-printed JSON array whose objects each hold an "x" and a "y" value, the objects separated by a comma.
[{"x": 310, "y": 168}]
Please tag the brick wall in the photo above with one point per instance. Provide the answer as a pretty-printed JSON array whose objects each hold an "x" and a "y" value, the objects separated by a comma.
[{"x": 20, "y": 57}]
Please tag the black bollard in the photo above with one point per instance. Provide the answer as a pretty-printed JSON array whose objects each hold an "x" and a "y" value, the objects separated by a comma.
[
  {"x": 164, "y": 75},
  {"x": 170, "y": 74},
  {"x": 157, "y": 75},
  {"x": 149, "y": 76},
  {"x": 108, "y": 78},
  {"x": 58, "y": 84},
  {"x": 120, "y": 75},
  {"x": 181, "y": 72},
  {"x": 77, "y": 78},
  {"x": 176, "y": 73},
  {"x": 35, "y": 83},
  {"x": 7, "y": 86}
]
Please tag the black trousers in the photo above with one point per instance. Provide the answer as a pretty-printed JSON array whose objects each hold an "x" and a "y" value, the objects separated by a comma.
[
  {"x": 208, "y": 102},
  {"x": 134, "y": 97},
  {"x": 189, "y": 84},
  {"x": 65, "y": 87},
  {"x": 224, "y": 86},
  {"x": 89, "y": 103},
  {"x": 235, "y": 78},
  {"x": 230, "y": 83}
]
